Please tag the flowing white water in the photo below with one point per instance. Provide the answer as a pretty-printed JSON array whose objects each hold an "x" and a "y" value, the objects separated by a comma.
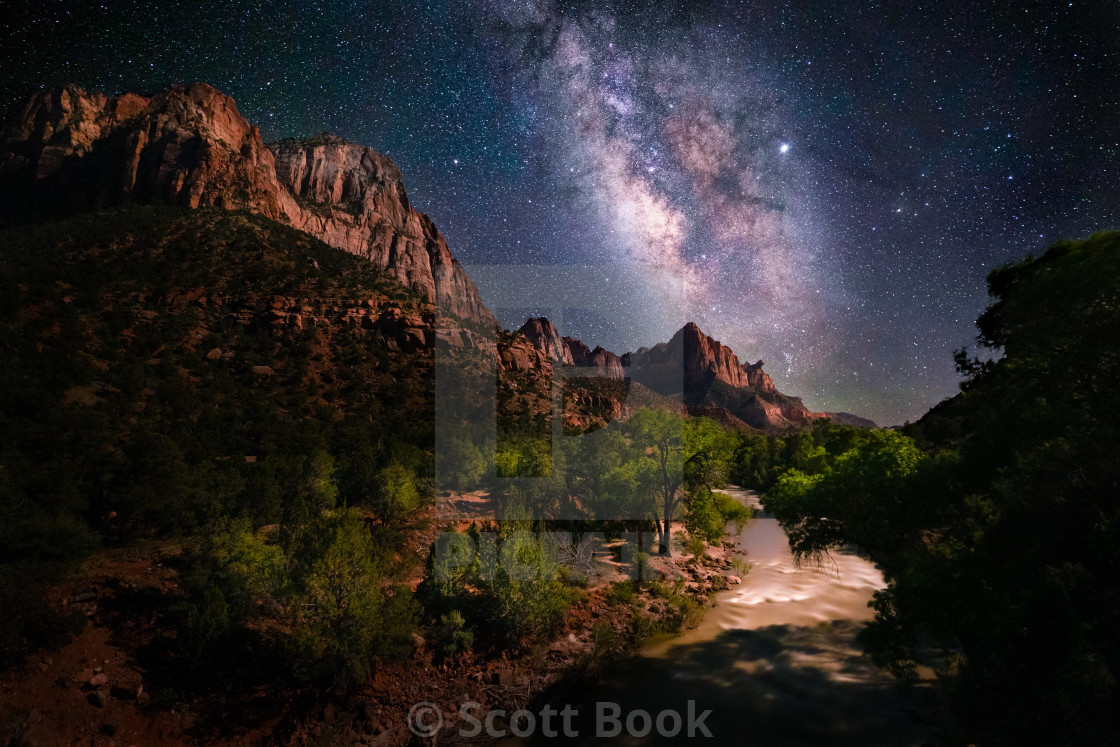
[
  {"x": 777, "y": 592},
  {"x": 776, "y": 661}
]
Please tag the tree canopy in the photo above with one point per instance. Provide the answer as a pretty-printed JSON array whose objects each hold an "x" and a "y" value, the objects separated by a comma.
[{"x": 998, "y": 525}]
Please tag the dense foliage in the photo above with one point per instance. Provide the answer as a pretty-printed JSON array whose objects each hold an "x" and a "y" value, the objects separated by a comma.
[
  {"x": 646, "y": 472},
  {"x": 147, "y": 390},
  {"x": 998, "y": 525},
  {"x": 153, "y": 386}
]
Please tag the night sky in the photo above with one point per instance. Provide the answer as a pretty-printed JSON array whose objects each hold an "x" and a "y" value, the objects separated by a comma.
[{"x": 821, "y": 185}]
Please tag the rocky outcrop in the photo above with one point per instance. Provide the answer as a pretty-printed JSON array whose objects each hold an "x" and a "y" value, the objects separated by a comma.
[
  {"x": 600, "y": 362},
  {"x": 691, "y": 373},
  {"x": 569, "y": 351},
  {"x": 688, "y": 361},
  {"x": 517, "y": 353},
  {"x": 70, "y": 150},
  {"x": 355, "y": 200},
  {"x": 545, "y": 338},
  {"x": 709, "y": 379},
  {"x": 758, "y": 378}
]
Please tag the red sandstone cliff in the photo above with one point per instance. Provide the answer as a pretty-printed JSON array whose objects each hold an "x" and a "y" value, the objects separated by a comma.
[
  {"x": 708, "y": 376},
  {"x": 544, "y": 337},
  {"x": 70, "y": 150},
  {"x": 601, "y": 362}
]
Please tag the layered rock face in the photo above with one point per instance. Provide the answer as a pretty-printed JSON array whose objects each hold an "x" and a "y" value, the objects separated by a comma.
[
  {"x": 690, "y": 359},
  {"x": 758, "y": 378},
  {"x": 367, "y": 213},
  {"x": 519, "y": 354},
  {"x": 601, "y": 362},
  {"x": 693, "y": 369},
  {"x": 708, "y": 377},
  {"x": 547, "y": 349},
  {"x": 70, "y": 150},
  {"x": 546, "y": 339}
]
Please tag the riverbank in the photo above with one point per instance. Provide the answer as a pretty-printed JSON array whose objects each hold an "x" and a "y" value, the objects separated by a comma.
[
  {"x": 119, "y": 681},
  {"x": 776, "y": 662}
]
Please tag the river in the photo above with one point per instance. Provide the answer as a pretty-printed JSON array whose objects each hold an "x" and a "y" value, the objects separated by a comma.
[{"x": 776, "y": 662}]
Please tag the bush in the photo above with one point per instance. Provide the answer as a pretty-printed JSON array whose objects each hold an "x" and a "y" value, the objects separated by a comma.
[
  {"x": 621, "y": 592},
  {"x": 703, "y": 519},
  {"x": 397, "y": 494},
  {"x": 732, "y": 511},
  {"x": 343, "y": 614},
  {"x": 331, "y": 597},
  {"x": 696, "y": 546},
  {"x": 451, "y": 635},
  {"x": 231, "y": 571},
  {"x": 513, "y": 595}
]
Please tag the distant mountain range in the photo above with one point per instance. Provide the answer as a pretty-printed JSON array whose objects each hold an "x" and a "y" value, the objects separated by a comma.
[
  {"x": 701, "y": 374},
  {"x": 71, "y": 151}
]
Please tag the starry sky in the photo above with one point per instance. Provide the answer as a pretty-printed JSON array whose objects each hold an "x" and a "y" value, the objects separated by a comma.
[{"x": 822, "y": 185}]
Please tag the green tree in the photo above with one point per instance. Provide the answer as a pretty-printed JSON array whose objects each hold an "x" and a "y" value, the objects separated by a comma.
[
  {"x": 1001, "y": 543},
  {"x": 344, "y": 610},
  {"x": 397, "y": 494},
  {"x": 864, "y": 496},
  {"x": 231, "y": 573},
  {"x": 681, "y": 456},
  {"x": 659, "y": 437}
]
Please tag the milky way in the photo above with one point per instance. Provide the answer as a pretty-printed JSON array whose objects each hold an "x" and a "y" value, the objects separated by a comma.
[
  {"x": 672, "y": 153},
  {"x": 820, "y": 185}
]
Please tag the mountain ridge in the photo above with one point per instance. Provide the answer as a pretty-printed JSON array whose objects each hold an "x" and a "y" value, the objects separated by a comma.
[
  {"x": 69, "y": 150},
  {"x": 697, "y": 370}
]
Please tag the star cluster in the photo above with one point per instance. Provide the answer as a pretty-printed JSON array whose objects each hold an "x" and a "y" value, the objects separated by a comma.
[{"x": 823, "y": 185}]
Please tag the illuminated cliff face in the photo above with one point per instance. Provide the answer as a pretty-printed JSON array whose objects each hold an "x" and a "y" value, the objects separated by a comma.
[{"x": 72, "y": 150}]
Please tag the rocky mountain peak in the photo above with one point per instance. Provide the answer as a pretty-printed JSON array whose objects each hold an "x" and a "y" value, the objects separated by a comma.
[
  {"x": 546, "y": 338},
  {"x": 690, "y": 359},
  {"x": 758, "y": 378},
  {"x": 73, "y": 150},
  {"x": 604, "y": 362},
  {"x": 709, "y": 379}
]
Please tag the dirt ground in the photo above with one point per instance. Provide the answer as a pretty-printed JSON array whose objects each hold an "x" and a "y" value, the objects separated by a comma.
[{"x": 110, "y": 684}]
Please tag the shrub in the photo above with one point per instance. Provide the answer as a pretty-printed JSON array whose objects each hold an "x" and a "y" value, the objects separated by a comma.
[
  {"x": 230, "y": 573},
  {"x": 397, "y": 494},
  {"x": 621, "y": 592},
  {"x": 452, "y": 636},
  {"x": 513, "y": 595},
  {"x": 696, "y": 546},
  {"x": 343, "y": 613}
]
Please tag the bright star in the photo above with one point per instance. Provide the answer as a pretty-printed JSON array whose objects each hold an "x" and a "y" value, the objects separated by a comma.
[{"x": 784, "y": 148}]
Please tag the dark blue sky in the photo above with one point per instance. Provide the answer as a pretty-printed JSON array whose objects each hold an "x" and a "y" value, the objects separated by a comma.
[{"x": 821, "y": 185}]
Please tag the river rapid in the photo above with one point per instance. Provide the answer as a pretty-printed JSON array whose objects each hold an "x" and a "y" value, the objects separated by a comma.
[{"x": 776, "y": 661}]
